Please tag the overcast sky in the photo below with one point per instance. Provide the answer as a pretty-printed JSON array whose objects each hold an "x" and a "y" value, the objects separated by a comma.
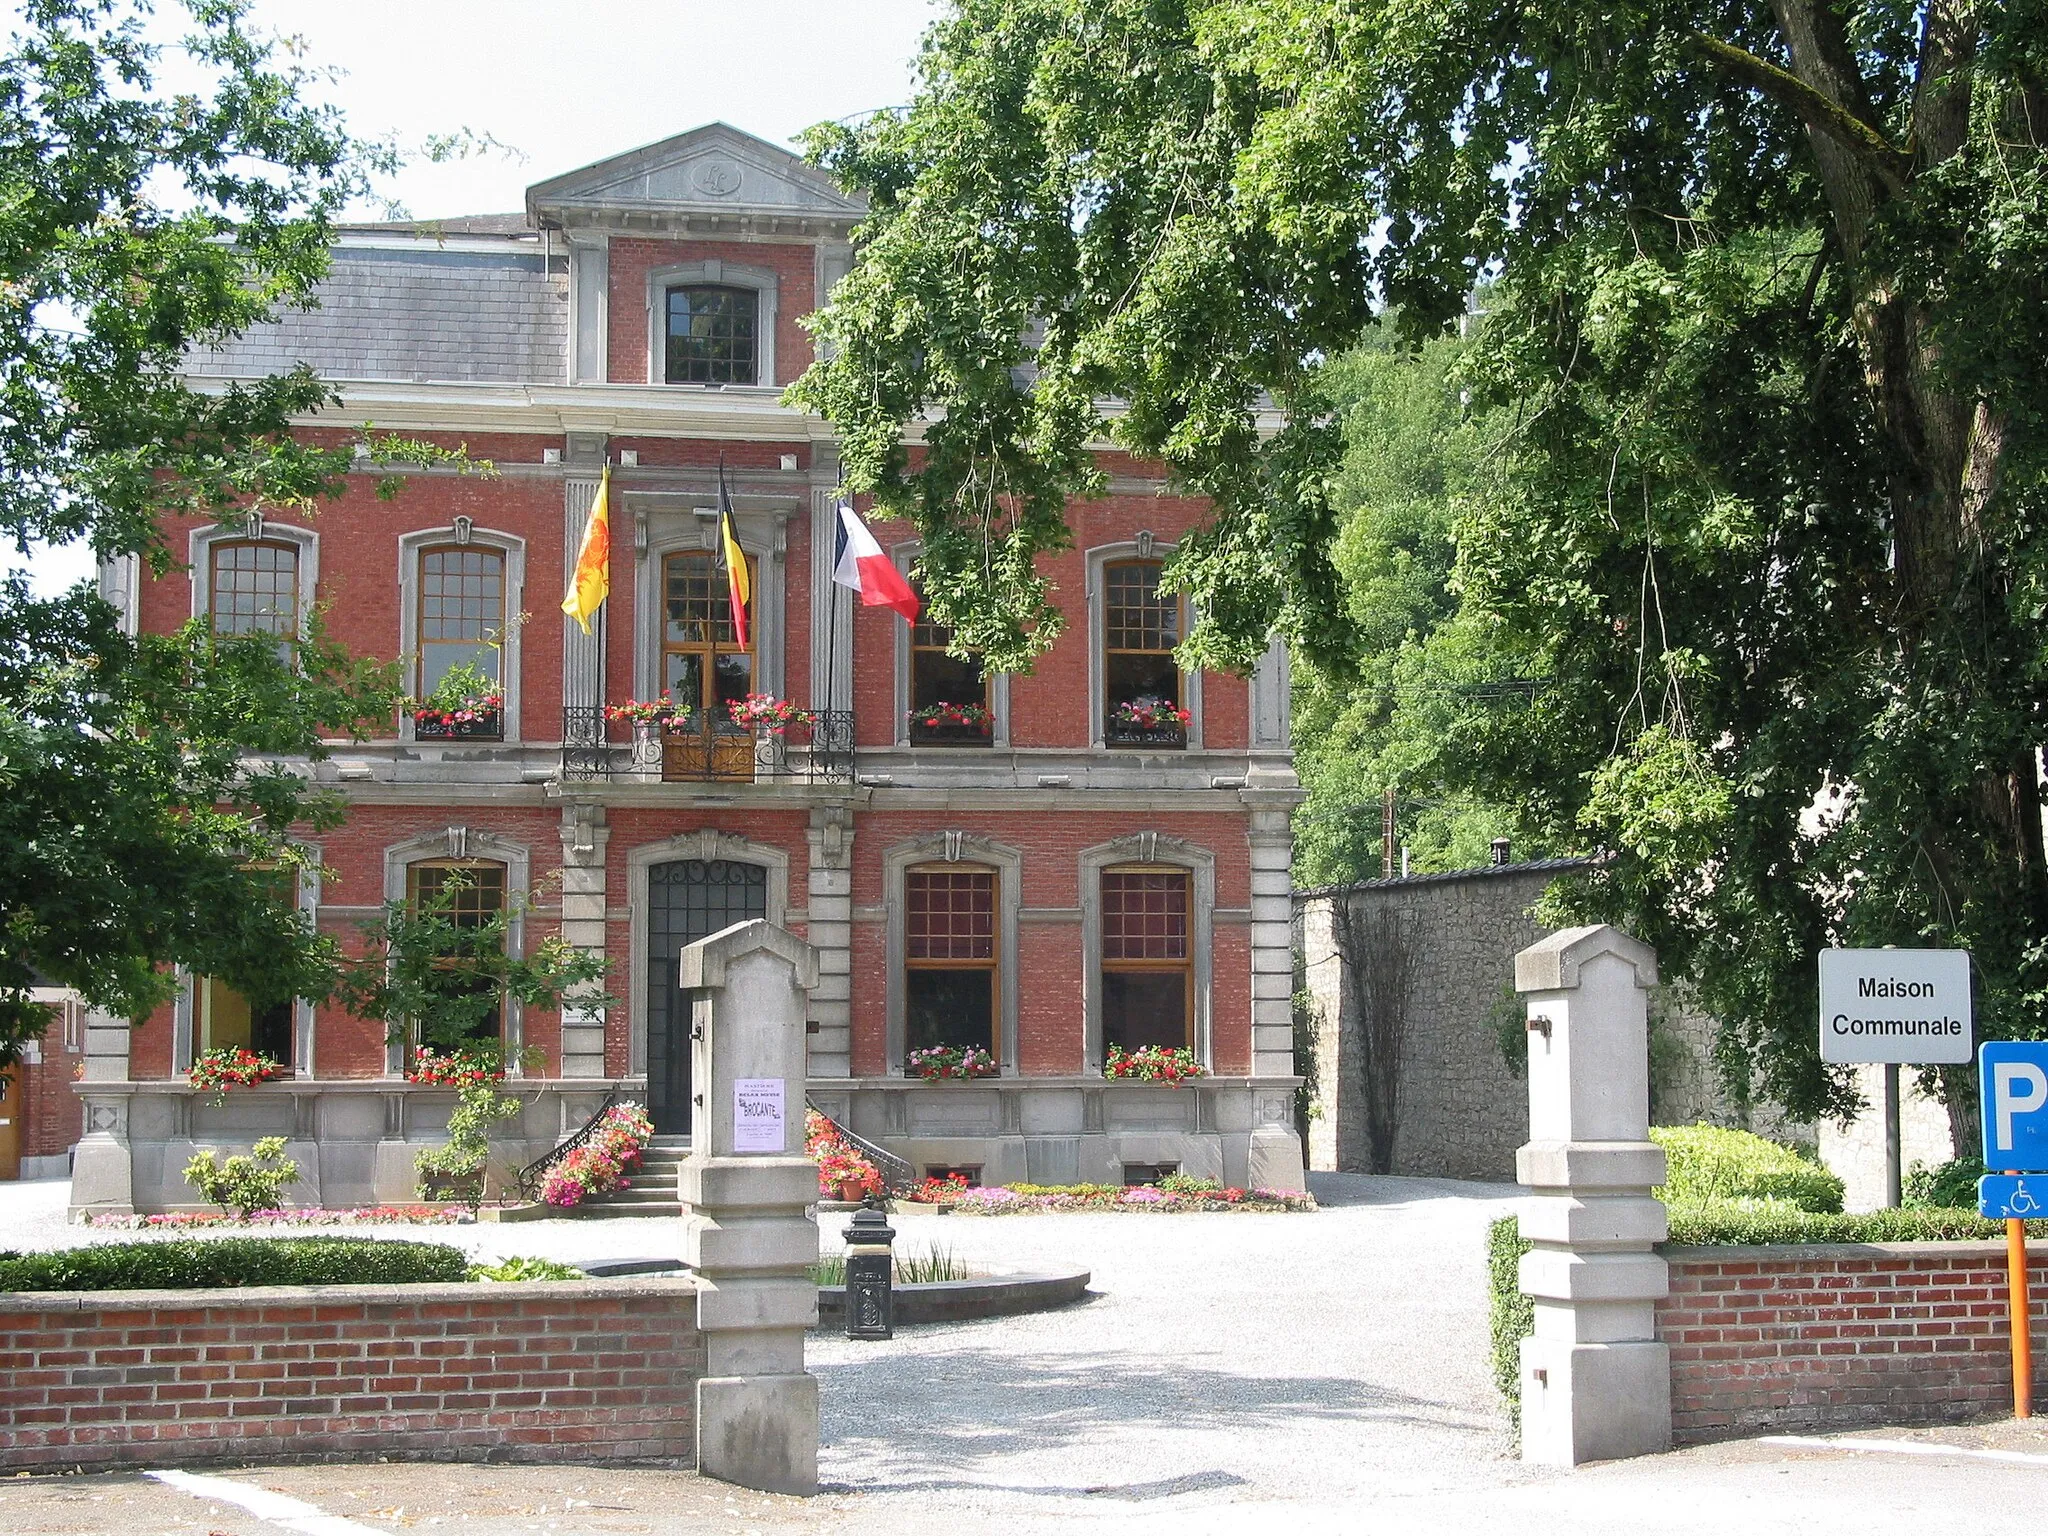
[{"x": 566, "y": 84}]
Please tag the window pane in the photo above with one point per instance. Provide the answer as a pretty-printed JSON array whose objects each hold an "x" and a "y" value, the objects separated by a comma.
[
  {"x": 255, "y": 589},
  {"x": 684, "y": 680},
  {"x": 462, "y": 608},
  {"x": 699, "y": 601},
  {"x": 954, "y": 1008},
  {"x": 1132, "y": 675},
  {"x": 950, "y": 915},
  {"x": 711, "y": 335},
  {"x": 480, "y": 895},
  {"x": 734, "y": 680},
  {"x": 1144, "y": 915},
  {"x": 1136, "y": 617},
  {"x": 936, "y": 678},
  {"x": 1141, "y": 1008}
]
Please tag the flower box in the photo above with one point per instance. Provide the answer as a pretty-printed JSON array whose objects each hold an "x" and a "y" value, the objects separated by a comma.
[
  {"x": 485, "y": 723},
  {"x": 969, "y": 725},
  {"x": 951, "y": 1063},
  {"x": 1152, "y": 1064}
]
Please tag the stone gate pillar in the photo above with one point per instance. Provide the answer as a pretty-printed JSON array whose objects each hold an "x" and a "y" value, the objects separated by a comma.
[
  {"x": 746, "y": 1185},
  {"x": 1596, "y": 1384}
]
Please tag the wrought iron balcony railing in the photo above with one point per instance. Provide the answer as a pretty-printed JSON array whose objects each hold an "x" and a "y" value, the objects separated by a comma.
[{"x": 821, "y": 753}]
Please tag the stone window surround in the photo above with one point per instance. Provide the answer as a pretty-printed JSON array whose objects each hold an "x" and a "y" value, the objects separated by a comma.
[
  {"x": 1146, "y": 848},
  {"x": 669, "y": 532},
  {"x": 462, "y": 842},
  {"x": 765, "y": 283},
  {"x": 411, "y": 546},
  {"x": 705, "y": 843},
  {"x": 199, "y": 547},
  {"x": 185, "y": 1008},
  {"x": 904, "y": 555},
  {"x": 1101, "y": 555},
  {"x": 953, "y": 848}
]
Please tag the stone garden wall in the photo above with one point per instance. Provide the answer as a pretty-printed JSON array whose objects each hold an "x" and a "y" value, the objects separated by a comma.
[
  {"x": 1461, "y": 1107},
  {"x": 556, "y": 1372}
]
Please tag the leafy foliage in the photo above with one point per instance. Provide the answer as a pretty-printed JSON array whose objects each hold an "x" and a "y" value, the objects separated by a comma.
[
  {"x": 246, "y": 1182},
  {"x": 207, "y": 1263},
  {"x": 1714, "y": 1223},
  {"x": 1946, "y": 1186},
  {"x": 1765, "y": 324},
  {"x": 518, "y": 1270},
  {"x": 140, "y": 791},
  {"x": 1712, "y": 1162}
]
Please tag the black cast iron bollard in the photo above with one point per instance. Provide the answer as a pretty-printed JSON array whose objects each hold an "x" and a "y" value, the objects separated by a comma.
[{"x": 870, "y": 1274}]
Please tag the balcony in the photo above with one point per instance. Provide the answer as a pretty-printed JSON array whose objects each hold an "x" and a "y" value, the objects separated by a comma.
[{"x": 821, "y": 753}]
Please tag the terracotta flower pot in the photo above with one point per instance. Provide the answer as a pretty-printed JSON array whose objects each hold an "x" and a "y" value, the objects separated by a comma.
[{"x": 851, "y": 1189}]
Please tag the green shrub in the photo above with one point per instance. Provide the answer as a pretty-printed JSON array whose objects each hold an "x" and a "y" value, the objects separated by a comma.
[
  {"x": 232, "y": 1261},
  {"x": 518, "y": 1269},
  {"x": 248, "y": 1183},
  {"x": 932, "y": 1267},
  {"x": 1949, "y": 1186},
  {"x": 1512, "y": 1314},
  {"x": 1713, "y": 1223},
  {"x": 1189, "y": 1184},
  {"x": 1711, "y": 1162}
]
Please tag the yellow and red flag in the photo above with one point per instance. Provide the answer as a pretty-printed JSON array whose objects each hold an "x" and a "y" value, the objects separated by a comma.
[
  {"x": 737, "y": 584},
  {"x": 592, "y": 582}
]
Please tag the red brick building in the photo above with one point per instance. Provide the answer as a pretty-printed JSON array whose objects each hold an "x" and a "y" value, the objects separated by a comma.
[{"x": 1055, "y": 876}]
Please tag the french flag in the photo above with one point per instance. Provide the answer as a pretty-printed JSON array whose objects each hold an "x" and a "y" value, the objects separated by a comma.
[{"x": 863, "y": 567}]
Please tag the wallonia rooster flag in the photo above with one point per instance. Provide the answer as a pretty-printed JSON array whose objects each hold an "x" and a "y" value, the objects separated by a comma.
[
  {"x": 592, "y": 582},
  {"x": 863, "y": 567},
  {"x": 738, "y": 586}
]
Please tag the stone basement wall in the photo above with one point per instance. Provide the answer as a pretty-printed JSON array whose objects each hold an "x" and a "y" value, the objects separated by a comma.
[
  {"x": 1833, "y": 1336},
  {"x": 565, "y": 1372},
  {"x": 1461, "y": 1110}
]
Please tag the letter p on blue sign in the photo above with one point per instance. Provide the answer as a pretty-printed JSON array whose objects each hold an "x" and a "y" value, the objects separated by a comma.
[{"x": 2013, "y": 1081}]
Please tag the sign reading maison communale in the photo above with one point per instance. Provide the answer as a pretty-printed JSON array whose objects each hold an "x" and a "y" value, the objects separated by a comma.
[{"x": 1898, "y": 1005}]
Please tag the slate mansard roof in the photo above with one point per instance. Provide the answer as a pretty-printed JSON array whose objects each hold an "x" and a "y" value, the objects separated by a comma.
[{"x": 420, "y": 302}]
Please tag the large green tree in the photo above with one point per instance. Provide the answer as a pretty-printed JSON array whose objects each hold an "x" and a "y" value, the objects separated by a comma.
[
  {"x": 1767, "y": 304},
  {"x": 141, "y": 788}
]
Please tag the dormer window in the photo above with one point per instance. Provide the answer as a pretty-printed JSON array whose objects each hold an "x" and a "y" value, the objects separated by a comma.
[{"x": 713, "y": 335}]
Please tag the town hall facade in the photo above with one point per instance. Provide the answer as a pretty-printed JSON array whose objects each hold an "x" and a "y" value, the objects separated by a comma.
[{"x": 1042, "y": 866}]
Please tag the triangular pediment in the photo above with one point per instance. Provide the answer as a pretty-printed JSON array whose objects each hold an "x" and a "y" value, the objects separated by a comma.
[{"x": 714, "y": 172}]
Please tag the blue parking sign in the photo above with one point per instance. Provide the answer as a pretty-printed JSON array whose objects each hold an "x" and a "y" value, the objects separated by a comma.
[
  {"x": 2012, "y": 1081},
  {"x": 2002, "y": 1196}
]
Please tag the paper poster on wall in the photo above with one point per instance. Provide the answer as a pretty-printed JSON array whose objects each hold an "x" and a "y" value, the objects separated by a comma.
[{"x": 758, "y": 1124}]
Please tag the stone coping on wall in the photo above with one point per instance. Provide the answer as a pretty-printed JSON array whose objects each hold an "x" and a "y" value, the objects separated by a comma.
[
  {"x": 286, "y": 1087},
  {"x": 422, "y": 1293},
  {"x": 1768, "y": 1253}
]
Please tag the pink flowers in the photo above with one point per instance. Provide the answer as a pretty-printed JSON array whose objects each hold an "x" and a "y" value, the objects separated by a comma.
[
  {"x": 952, "y": 1061},
  {"x": 766, "y": 710},
  {"x": 455, "y": 1069},
  {"x": 1150, "y": 713},
  {"x": 966, "y": 717},
  {"x": 600, "y": 1165},
  {"x": 663, "y": 708},
  {"x": 839, "y": 1165}
]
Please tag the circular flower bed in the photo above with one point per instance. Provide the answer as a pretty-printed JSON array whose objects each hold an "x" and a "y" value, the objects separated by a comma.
[{"x": 303, "y": 1216}]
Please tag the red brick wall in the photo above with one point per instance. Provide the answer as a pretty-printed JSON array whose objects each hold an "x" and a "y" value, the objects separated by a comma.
[
  {"x": 1828, "y": 1337},
  {"x": 594, "y": 1371},
  {"x": 631, "y": 261},
  {"x": 55, "y": 1117}
]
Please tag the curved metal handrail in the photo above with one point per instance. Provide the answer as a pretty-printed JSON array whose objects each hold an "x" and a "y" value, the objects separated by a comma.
[
  {"x": 531, "y": 1175},
  {"x": 896, "y": 1173}
]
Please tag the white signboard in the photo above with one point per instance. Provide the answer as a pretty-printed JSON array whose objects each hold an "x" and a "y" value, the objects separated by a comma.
[
  {"x": 757, "y": 1115},
  {"x": 1905, "y": 1005}
]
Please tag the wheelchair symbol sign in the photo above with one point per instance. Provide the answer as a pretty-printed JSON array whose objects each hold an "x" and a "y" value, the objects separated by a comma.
[{"x": 2003, "y": 1195}]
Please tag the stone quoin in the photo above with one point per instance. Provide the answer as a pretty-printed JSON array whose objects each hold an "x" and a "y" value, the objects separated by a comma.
[{"x": 1064, "y": 867}]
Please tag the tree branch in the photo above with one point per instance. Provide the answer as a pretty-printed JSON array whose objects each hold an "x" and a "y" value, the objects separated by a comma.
[{"x": 1889, "y": 163}]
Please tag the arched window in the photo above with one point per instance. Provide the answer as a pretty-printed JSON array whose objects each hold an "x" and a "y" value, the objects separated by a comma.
[
  {"x": 462, "y": 612},
  {"x": 703, "y": 670},
  {"x": 950, "y": 958},
  {"x": 712, "y": 336},
  {"x": 1148, "y": 974},
  {"x": 940, "y": 684},
  {"x": 1141, "y": 683},
  {"x": 253, "y": 588},
  {"x": 477, "y": 896}
]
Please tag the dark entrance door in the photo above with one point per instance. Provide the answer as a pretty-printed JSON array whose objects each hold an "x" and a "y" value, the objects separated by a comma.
[{"x": 687, "y": 900}]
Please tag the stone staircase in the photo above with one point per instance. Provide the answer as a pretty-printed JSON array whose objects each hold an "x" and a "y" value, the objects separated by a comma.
[{"x": 652, "y": 1188}]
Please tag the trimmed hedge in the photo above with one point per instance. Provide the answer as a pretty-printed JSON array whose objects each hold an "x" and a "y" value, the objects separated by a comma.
[
  {"x": 214, "y": 1263},
  {"x": 1708, "y": 1224},
  {"x": 1712, "y": 1162}
]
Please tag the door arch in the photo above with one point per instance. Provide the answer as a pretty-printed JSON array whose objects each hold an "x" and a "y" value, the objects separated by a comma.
[{"x": 687, "y": 900}]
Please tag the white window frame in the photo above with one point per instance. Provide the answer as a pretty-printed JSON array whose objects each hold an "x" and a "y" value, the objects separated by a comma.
[
  {"x": 1099, "y": 556},
  {"x": 411, "y": 547},
  {"x": 199, "y": 553},
  {"x": 1157, "y": 849},
  {"x": 905, "y": 555},
  {"x": 952, "y": 848},
  {"x": 482, "y": 846},
  {"x": 185, "y": 1007}
]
